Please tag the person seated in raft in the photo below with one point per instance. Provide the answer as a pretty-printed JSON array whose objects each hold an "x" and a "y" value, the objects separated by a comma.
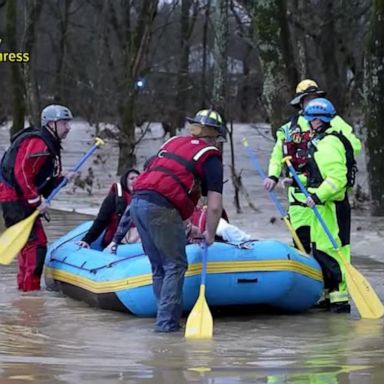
[
  {"x": 126, "y": 232},
  {"x": 111, "y": 210},
  {"x": 226, "y": 232}
]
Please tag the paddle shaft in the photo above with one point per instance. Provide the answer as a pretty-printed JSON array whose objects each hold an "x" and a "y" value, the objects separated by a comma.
[
  {"x": 273, "y": 196},
  {"x": 77, "y": 166},
  {"x": 204, "y": 264},
  {"x": 262, "y": 174}
]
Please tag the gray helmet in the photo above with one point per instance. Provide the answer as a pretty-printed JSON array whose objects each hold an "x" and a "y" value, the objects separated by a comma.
[{"x": 55, "y": 112}]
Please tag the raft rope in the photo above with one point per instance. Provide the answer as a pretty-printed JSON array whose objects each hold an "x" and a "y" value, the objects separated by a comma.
[
  {"x": 82, "y": 267},
  {"x": 242, "y": 245},
  {"x": 145, "y": 279}
]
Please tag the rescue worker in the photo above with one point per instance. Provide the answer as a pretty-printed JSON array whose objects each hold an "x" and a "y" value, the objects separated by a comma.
[
  {"x": 30, "y": 170},
  {"x": 293, "y": 140},
  {"x": 165, "y": 196},
  {"x": 330, "y": 172},
  {"x": 111, "y": 210}
]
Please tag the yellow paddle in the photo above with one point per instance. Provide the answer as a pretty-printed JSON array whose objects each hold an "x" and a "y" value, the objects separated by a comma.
[
  {"x": 14, "y": 238},
  {"x": 283, "y": 214},
  {"x": 200, "y": 322},
  {"x": 365, "y": 298}
]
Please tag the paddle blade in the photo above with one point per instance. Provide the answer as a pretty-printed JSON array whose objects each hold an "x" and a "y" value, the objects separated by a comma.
[
  {"x": 365, "y": 298},
  {"x": 200, "y": 322},
  {"x": 14, "y": 238}
]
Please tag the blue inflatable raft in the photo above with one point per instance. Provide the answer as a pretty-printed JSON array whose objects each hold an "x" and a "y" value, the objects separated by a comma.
[{"x": 266, "y": 272}]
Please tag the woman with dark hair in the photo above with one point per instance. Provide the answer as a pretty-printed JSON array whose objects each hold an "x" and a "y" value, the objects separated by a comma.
[{"x": 111, "y": 210}]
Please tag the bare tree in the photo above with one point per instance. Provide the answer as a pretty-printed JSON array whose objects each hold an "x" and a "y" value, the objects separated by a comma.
[
  {"x": 100, "y": 69},
  {"x": 63, "y": 26},
  {"x": 220, "y": 52},
  {"x": 203, "y": 86},
  {"x": 61, "y": 11},
  {"x": 186, "y": 28},
  {"x": 133, "y": 40},
  {"x": 88, "y": 53},
  {"x": 32, "y": 14},
  {"x": 273, "y": 42},
  {"x": 250, "y": 84},
  {"x": 17, "y": 79},
  {"x": 375, "y": 106},
  {"x": 323, "y": 48},
  {"x": 327, "y": 36}
]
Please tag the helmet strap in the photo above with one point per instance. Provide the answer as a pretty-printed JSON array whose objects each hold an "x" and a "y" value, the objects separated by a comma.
[
  {"x": 322, "y": 127},
  {"x": 54, "y": 131}
]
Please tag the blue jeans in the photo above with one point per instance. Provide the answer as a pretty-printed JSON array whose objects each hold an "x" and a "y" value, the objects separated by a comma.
[{"x": 162, "y": 233}]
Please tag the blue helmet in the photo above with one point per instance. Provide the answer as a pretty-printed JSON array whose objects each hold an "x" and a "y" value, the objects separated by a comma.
[{"x": 321, "y": 109}]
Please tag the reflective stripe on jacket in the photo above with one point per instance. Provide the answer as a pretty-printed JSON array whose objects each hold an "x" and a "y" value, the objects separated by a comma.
[{"x": 177, "y": 171}]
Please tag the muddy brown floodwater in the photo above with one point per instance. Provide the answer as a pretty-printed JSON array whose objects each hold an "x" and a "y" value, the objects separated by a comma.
[{"x": 48, "y": 338}]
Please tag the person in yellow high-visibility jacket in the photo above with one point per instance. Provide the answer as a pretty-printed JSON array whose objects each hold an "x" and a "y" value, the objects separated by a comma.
[
  {"x": 330, "y": 173},
  {"x": 292, "y": 140}
]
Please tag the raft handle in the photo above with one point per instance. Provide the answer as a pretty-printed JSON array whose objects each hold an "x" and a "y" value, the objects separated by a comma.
[{"x": 245, "y": 281}]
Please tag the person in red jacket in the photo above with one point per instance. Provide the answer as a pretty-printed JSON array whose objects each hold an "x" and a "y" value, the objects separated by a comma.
[
  {"x": 111, "y": 210},
  {"x": 30, "y": 169},
  {"x": 165, "y": 195}
]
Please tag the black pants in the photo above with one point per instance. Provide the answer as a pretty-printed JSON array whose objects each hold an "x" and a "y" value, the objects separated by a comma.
[{"x": 304, "y": 234}]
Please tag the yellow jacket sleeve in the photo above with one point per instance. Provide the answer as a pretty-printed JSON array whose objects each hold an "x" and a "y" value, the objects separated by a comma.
[
  {"x": 275, "y": 162},
  {"x": 330, "y": 158}
]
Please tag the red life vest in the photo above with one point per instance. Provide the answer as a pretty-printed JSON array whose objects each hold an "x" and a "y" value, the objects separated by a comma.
[
  {"x": 122, "y": 199},
  {"x": 199, "y": 217},
  {"x": 177, "y": 171},
  {"x": 297, "y": 147}
]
